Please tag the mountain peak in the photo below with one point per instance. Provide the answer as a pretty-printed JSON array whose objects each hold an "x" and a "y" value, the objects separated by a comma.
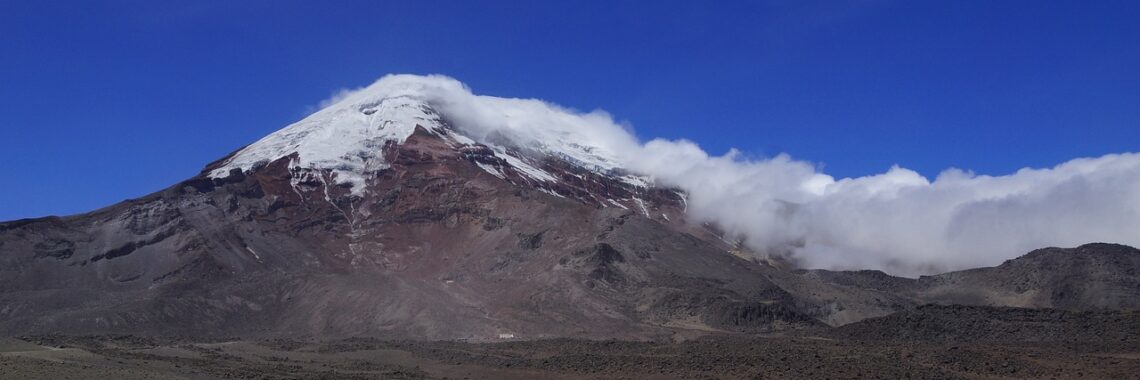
[{"x": 347, "y": 138}]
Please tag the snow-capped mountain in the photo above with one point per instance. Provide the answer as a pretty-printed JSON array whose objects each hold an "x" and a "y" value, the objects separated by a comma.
[{"x": 416, "y": 209}]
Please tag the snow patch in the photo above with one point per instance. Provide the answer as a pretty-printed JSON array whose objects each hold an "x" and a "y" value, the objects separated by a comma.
[
  {"x": 636, "y": 180},
  {"x": 491, "y": 169},
  {"x": 615, "y": 203},
  {"x": 641, "y": 205},
  {"x": 551, "y": 192},
  {"x": 527, "y": 170},
  {"x": 255, "y": 255}
]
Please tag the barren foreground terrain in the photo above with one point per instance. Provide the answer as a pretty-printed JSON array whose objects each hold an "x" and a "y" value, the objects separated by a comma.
[{"x": 810, "y": 355}]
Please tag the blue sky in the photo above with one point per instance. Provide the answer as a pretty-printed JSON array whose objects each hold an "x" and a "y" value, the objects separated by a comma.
[{"x": 103, "y": 101}]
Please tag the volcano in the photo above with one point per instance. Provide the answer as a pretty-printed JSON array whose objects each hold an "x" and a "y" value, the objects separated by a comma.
[{"x": 396, "y": 212}]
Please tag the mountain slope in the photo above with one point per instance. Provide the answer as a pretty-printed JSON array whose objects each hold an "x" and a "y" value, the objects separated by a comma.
[
  {"x": 1090, "y": 277},
  {"x": 1095, "y": 276},
  {"x": 447, "y": 239},
  {"x": 385, "y": 215}
]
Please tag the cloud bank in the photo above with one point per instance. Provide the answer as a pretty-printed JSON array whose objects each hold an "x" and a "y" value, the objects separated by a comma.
[{"x": 897, "y": 221}]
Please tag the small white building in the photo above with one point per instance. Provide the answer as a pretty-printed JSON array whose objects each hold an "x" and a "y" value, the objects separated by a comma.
[{"x": 506, "y": 336}]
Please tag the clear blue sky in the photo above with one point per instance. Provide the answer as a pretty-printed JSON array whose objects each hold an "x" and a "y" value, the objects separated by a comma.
[{"x": 103, "y": 101}]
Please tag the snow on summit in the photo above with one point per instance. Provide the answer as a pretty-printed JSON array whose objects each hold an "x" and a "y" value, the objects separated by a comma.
[{"x": 347, "y": 137}]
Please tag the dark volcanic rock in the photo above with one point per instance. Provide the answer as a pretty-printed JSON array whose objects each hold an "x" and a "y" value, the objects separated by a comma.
[
  {"x": 1090, "y": 277},
  {"x": 956, "y": 323}
]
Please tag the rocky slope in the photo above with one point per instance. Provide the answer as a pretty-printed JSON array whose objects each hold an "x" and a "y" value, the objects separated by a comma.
[
  {"x": 1095, "y": 276},
  {"x": 1090, "y": 277},
  {"x": 960, "y": 324}
]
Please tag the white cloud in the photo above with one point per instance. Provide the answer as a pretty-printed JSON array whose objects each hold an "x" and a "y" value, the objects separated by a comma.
[
  {"x": 899, "y": 221},
  {"x": 336, "y": 97}
]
